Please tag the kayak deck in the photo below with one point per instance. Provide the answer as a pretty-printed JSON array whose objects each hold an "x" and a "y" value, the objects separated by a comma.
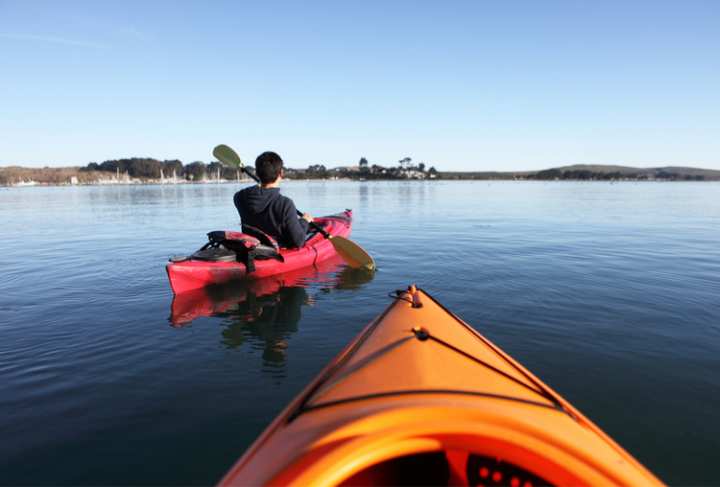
[{"x": 421, "y": 397}]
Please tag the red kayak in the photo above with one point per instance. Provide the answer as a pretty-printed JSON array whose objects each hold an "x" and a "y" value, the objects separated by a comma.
[{"x": 196, "y": 271}]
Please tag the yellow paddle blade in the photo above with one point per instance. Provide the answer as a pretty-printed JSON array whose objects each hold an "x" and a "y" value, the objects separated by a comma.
[{"x": 352, "y": 253}]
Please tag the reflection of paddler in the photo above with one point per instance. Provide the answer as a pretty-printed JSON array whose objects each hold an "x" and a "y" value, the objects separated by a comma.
[{"x": 271, "y": 318}]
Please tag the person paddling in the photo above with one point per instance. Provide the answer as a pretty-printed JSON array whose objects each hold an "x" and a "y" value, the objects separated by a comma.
[{"x": 264, "y": 208}]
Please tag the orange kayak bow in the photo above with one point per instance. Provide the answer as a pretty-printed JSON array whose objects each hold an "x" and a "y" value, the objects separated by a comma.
[{"x": 421, "y": 398}]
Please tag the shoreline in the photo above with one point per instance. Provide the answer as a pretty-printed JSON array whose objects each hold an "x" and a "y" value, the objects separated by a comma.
[
  {"x": 151, "y": 171},
  {"x": 35, "y": 184}
]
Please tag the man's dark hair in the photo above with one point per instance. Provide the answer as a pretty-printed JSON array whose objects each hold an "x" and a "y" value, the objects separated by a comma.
[{"x": 268, "y": 166}]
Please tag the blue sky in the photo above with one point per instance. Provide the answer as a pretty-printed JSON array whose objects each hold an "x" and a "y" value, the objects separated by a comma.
[{"x": 473, "y": 85}]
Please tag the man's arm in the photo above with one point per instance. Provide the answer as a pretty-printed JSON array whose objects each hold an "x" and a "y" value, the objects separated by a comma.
[
  {"x": 295, "y": 228},
  {"x": 237, "y": 199}
]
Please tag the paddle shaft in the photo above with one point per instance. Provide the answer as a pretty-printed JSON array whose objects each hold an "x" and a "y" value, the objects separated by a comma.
[{"x": 312, "y": 224}]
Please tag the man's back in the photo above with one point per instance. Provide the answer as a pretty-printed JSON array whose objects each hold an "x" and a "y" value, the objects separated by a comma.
[{"x": 273, "y": 213}]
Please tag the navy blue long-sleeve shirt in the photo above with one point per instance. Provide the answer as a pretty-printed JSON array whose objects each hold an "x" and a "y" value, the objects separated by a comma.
[{"x": 273, "y": 213}]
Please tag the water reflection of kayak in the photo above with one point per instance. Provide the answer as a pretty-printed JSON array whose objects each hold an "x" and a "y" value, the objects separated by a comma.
[
  {"x": 264, "y": 312},
  {"x": 188, "y": 273},
  {"x": 218, "y": 299},
  {"x": 420, "y": 398}
]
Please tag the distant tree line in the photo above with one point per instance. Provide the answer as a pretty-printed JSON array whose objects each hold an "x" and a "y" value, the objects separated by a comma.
[
  {"x": 364, "y": 170},
  {"x": 144, "y": 168},
  {"x": 45, "y": 175},
  {"x": 587, "y": 175},
  {"x": 148, "y": 168}
]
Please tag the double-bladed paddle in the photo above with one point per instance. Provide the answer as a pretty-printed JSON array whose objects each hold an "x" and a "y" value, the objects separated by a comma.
[{"x": 352, "y": 253}]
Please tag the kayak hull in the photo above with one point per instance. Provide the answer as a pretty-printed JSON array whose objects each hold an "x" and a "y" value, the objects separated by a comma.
[
  {"x": 213, "y": 300},
  {"x": 420, "y": 393},
  {"x": 195, "y": 274}
]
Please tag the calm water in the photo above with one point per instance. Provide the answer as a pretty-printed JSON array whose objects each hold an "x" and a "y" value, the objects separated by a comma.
[{"x": 608, "y": 292}]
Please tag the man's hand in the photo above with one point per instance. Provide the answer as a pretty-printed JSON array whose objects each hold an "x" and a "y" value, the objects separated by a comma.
[{"x": 307, "y": 217}]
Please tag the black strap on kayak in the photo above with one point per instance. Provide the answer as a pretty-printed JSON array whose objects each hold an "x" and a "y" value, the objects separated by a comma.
[
  {"x": 539, "y": 389},
  {"x": 345, "y": 355},
  {"x": 364, "y": 397},
  {"x": 423, "y": 334},
  {"x": 399, "y": 294}
]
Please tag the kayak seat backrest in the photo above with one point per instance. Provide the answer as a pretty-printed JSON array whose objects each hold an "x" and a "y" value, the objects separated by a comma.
[
  {"x": 245, "y": 247},
  {"x": 263, "y": 237},
  {"x": 233, "y": 240}
]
